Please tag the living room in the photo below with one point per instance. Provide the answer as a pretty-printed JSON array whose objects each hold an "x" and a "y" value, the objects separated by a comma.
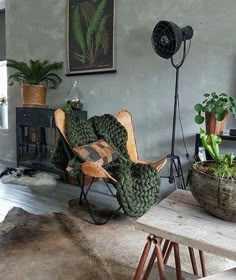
[{"x": 137, "y": 78}]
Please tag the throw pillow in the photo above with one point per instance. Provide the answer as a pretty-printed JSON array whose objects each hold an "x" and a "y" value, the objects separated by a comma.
[{"x": 99, "y": 152}]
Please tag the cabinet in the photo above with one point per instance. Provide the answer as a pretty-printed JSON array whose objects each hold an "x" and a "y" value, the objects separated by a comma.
[{"x": 36, "y": 136}]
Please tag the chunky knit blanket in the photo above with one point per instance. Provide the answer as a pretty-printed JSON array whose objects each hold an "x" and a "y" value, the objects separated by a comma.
[{"x": 137, "y": 184}]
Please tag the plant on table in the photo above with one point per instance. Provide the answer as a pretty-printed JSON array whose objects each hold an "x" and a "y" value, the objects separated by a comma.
[
  {"x": 219, "y": 104},
  {"x": 223, "y": 165}
]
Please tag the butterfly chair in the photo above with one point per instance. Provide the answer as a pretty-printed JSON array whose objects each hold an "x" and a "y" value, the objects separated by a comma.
[{"x": 93, "y": 170}]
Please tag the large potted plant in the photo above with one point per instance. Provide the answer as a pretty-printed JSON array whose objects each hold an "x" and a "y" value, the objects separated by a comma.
[
  {"x": 213, "y": 183},
  {"x": 214, "y": 110},
  {"x": 35, "y": 77}
]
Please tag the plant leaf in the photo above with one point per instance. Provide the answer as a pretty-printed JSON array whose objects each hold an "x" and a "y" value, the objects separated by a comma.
[
  {"x": 214, "y": 95},
  {"x": 206, "y": 94},
  {"x": 100, "y": 31},
  {"x": 220, "y": 116},
  {"x": 198, "y": 107},
  {"x": 77, "y": 31},
  {"x": 199, "y": 119},
  {"x": 95, "y": 21}
]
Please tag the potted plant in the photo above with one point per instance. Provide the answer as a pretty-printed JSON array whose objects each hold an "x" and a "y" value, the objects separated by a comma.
[
  {"x": 213, "y": 183},
  {"x": 3, "y": 112},
  {"x": 34, "y": 78},
  {"x": 214, "y": 109}
]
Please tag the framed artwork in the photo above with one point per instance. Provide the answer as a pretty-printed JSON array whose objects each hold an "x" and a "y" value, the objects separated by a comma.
[{"x": 90, "y": 36}]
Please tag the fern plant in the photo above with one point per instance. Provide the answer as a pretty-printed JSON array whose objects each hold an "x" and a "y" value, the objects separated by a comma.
[
  {"x": 93, "y": 37},
  {"x": 35, "y": 72}
]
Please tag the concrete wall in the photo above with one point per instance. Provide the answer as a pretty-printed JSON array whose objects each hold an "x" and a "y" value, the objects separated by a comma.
[{"x": 144, "y": 83}]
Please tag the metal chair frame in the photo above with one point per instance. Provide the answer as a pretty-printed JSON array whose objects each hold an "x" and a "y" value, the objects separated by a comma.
[{"x": 84, "y": 192}]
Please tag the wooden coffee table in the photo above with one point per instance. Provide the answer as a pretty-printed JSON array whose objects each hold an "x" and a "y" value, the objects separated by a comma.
[{"x": 179, "y": 219}]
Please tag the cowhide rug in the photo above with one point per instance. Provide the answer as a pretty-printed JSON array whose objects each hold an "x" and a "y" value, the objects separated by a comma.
[{"x": 58, "y": 246}]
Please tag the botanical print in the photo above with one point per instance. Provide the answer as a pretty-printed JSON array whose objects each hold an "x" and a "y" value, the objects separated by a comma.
[{"x": 90, "y": 36}]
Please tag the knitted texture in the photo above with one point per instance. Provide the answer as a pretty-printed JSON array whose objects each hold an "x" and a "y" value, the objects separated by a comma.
[{"x": 138, "y": 184}]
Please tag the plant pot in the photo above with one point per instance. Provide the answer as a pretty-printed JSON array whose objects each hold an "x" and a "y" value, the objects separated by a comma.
[
  {"x": 212, "y": 125},
  {"x": 33, "y": 95},
  {"x": 216, "y": 195}
]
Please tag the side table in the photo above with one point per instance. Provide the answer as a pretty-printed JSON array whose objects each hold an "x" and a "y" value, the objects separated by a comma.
[{"x": 179, "y": 219}]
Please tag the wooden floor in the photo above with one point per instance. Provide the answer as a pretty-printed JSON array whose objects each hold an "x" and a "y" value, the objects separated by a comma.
[{"x": 44, "y": 199}]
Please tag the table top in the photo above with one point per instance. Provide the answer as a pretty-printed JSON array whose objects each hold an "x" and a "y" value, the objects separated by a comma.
[{"x": 181, "y": 219}]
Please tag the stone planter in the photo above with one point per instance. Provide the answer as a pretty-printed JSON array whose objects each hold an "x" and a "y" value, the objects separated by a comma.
[{"x": 217, "y": 196}]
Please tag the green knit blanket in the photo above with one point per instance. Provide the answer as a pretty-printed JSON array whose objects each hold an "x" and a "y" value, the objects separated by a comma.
[{"x": 137, "y": 184}]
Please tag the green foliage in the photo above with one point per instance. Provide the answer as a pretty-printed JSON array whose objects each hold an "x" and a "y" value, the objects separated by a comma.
[
  {"x": 89, "y": 30},
  {"x": 95, "y": 21},
  {"x": 225, "y": 168},
  {"x": 77, "y": 31},
  {"x": 220, "y": 104},
  {"x": 35, "y": 72}
]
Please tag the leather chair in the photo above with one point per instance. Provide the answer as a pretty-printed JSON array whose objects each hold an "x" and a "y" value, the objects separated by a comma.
[{"x": 98, "y": 172}]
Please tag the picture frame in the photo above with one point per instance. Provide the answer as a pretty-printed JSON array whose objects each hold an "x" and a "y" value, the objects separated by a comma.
[{"x": 90, "y": 36}]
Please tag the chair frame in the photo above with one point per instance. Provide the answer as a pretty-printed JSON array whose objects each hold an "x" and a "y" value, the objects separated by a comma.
[
  {"x": 84, "y": 192},
  {"x": 93, "y": 170}
]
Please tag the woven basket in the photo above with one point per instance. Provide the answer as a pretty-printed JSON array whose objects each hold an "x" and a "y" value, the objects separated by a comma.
[{"x": 33, "y": 95}]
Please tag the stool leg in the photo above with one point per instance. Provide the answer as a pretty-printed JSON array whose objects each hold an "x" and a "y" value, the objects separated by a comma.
[
  {"x": 160, "y": 260},
  {"x": 177, "y": 261},
  {"x": 143, "y": 258},
  {"x": 193, "y": 260},
  {"x": 203, "y": 265},
  {"x": 150, "y": 263},
  {"x": 166, "y": 258},
  {"x": 165, "y": 247}
]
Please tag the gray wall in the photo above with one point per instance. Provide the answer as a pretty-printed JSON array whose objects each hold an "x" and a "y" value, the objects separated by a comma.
[{"x": 144, "y": 83}]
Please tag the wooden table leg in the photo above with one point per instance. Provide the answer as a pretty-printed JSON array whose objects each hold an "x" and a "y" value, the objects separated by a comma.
[
  {"x": 160, "y": 260},
  {"x": 193, "y": 260},
  {"x": 165, "y": 247},
  {"x": 203, "y": 265},
  {"x": 166, "y": 258},
  {"x": 151, "y": 263},
  {"x": 177, "y": 261},
  {"x": 143, "y": 258}
]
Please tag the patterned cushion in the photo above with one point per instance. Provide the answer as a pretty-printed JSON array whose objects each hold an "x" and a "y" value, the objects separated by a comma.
[{"x": 99, "y": 152}]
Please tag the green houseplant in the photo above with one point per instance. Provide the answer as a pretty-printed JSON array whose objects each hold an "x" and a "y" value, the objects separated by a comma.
[
  {"x": 213, "y": 183},
  {"x": 214, "y": 110},
  {"x": 34, "y": 78}
]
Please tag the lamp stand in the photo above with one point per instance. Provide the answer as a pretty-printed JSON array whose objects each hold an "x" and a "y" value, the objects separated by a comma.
[{"x": 176, "y": 171}]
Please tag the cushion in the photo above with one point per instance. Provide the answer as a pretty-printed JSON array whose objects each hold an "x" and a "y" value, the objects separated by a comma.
[{"x": 99, "y": 152}]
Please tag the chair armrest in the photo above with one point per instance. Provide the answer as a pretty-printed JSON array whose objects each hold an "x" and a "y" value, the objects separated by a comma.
[
  {"x": 94, "y": 170},
  {"x": 157, "y": 165}
]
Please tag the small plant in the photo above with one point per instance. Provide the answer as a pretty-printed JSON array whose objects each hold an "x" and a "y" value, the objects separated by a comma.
[
  {"x": 220, "y": 104},
  {"x": 35, "y": 72},
  {"x": 3, "y": 100},
  {"x": 224, "y": 167}
]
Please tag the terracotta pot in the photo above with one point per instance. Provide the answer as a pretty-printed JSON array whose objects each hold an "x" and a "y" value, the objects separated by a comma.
[
  {"x": 216, "y": 195},
  {"x": 212, "y": 125},
  {"x": 33, "y": 95}
]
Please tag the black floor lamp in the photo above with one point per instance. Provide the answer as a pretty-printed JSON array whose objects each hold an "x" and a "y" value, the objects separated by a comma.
[{"x": 167, "y": 39}]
